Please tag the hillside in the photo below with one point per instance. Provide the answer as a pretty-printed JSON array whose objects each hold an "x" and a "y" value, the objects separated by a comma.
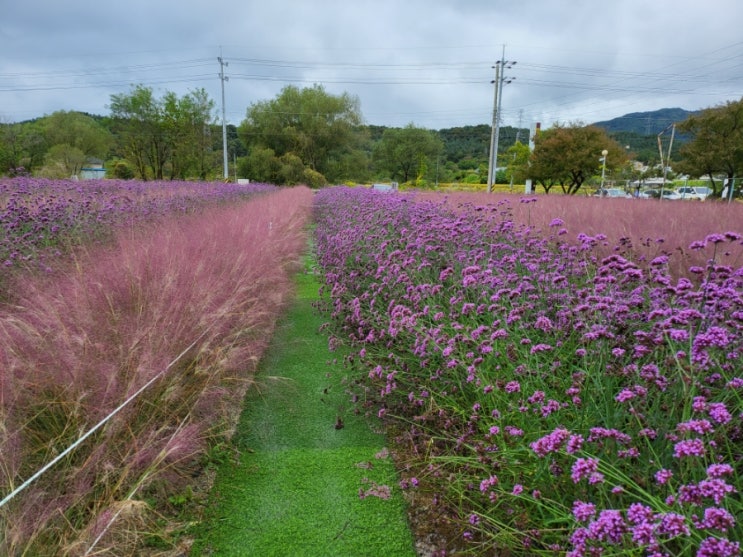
[
  {"x": 638, "y": 130},
  {"x": 645, "y": 123}
]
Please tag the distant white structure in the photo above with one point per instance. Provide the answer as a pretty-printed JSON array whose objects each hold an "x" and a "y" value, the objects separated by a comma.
[
  {"x": 93, "y": 170},
  {"x": 533, "y": 131},
  {"x": 391, "y": 187},
  {"x": 649, "y": 182}
]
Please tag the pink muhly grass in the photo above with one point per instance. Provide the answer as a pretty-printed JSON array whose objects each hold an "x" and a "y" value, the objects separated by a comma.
[
  {"x": 77, "y": 343},
  {"x": 651, "y": 226},
  {"x": 41, "y": 219}
]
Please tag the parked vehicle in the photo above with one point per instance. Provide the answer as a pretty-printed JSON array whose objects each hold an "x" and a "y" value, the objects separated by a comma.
[
  {"x": 694, "y": 192},
  {"x": 671, "y": 194},
  {"x": 612, "y": 192},
  {"x": 650, "y": 193}
]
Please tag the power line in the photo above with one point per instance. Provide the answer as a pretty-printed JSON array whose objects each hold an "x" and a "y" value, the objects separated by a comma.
[{"x": 720, "y": 67}]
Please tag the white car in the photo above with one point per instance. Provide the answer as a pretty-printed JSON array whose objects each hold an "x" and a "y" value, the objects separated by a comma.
[
  {"x": 694, "y": 192},
  {"x": 670, "y": 194},
  {"x": 650, "y": 193},
  {"x": 612, "y": 192}
]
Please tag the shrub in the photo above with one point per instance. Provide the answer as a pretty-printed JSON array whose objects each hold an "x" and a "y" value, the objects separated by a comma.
[{"x": 313, "y": 178}]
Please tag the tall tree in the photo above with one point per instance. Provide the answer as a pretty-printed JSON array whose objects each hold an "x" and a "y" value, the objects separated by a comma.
[
  {"x": 137, "y": 122},
  {"x": 77, "y": 130},
  {"x": 188, "y": 123},
  {"x": 172, "y": 133},
  {"x": 569, "y": 155},
  {"x": 517, "y": 162},
  {"x": 406, "y": 152},
  {"x": 22, "y": 147},
  {"x": 11, "y": 148},
  {"x": 261, "y": 165},
  {"x": 63, "y": 161},
  {"x": 315, "y": 126},
  {"x": 716, "y": 146}
]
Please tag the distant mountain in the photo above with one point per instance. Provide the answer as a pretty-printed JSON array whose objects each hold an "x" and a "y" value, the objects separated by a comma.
[{"x": 645, "y": 123}]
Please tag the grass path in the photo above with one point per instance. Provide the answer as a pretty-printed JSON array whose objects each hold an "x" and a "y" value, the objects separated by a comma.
[{"x": 295, "y": 489}]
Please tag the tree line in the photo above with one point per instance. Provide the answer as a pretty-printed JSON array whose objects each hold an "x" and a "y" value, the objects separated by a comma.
[{"x": 307, "y": 135}]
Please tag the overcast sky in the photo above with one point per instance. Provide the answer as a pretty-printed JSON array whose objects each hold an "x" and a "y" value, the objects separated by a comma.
[{"x": 429, "y": 62}]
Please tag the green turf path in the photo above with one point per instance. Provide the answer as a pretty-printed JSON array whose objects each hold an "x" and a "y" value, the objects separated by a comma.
[{"x": 295, "y": 489}]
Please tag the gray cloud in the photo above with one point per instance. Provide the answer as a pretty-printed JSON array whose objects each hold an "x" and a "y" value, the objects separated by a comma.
[{"x": 423, "y": 61}]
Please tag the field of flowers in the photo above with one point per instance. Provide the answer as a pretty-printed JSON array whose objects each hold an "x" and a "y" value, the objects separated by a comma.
[
  {"x": 39, "y": 218},
  {"x": 550, "y": 394},
  {"x": 176, "y": 306},
  {"x": 640, "y": 230}
]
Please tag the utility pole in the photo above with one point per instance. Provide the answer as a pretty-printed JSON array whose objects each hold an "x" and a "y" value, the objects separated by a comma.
[
  {"x": 493, "y": 131},
  {"x": 223, "y": 78},
  {"x": 500, "y": 78},
  {"x": 664, "y": 164}
]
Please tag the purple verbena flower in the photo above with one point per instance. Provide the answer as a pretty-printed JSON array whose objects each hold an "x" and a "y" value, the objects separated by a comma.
[
  {"x": 608, "y": 527},
  {"x": 638, "y": 513},
  {"x": 551, "y": 442},
  {"x": 689, "y": 447},
  {"x": 695, "y": 426},
  {"x": 513, "y": 387},
  {"x": 715, "y": 489},
  {"x": 556, "y": 222},
  {"x": 574, "y": 444},
  {"x": 663, "y": 476},
  {"x": 644, "y": 534},
  {"x": 583, "y": 511},
  {"x": 718, "y": 547},
  {"x": 583, "y": 468},
  {"x": 673, "y": 524},
  {"x": 716, "y": 518},
  {"x": 719, "y": 470},
  {"x": 719, "y": 412}
]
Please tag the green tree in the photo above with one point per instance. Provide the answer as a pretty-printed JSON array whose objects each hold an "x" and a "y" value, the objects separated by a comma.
[
  {"x": 467, "y": 142},
  {"x": 235, "y": 145},
  {"x": 137, "y": 120},
  {"x": 22, "y": 147},
  {"x": 77, "y": 130},
  {"x": 171, "y": 134},
  {"x": 188, "y": 122},
  {"x": 261, "y": 165},
  {"x": 354, "y": 165},
  {"x": 569, "y": 155},
  {"x": 11, "y": 148},
  {"x": 716, "y": 146},
  {"x": 313, "y": 125},
  {"x": 122, "y": 170},
  {"x": 63, "y": 161},
  {"x": 291, "y": 169},
  {"x": 517, "y": 162},
  {"x": 404, "y": 152}
]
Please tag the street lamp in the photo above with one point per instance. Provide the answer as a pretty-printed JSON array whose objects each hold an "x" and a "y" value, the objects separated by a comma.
[{"x": 603, "y": 167}]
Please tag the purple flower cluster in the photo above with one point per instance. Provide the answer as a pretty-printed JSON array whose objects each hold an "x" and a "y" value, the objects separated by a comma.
[{"x": 622, "y": 381}]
